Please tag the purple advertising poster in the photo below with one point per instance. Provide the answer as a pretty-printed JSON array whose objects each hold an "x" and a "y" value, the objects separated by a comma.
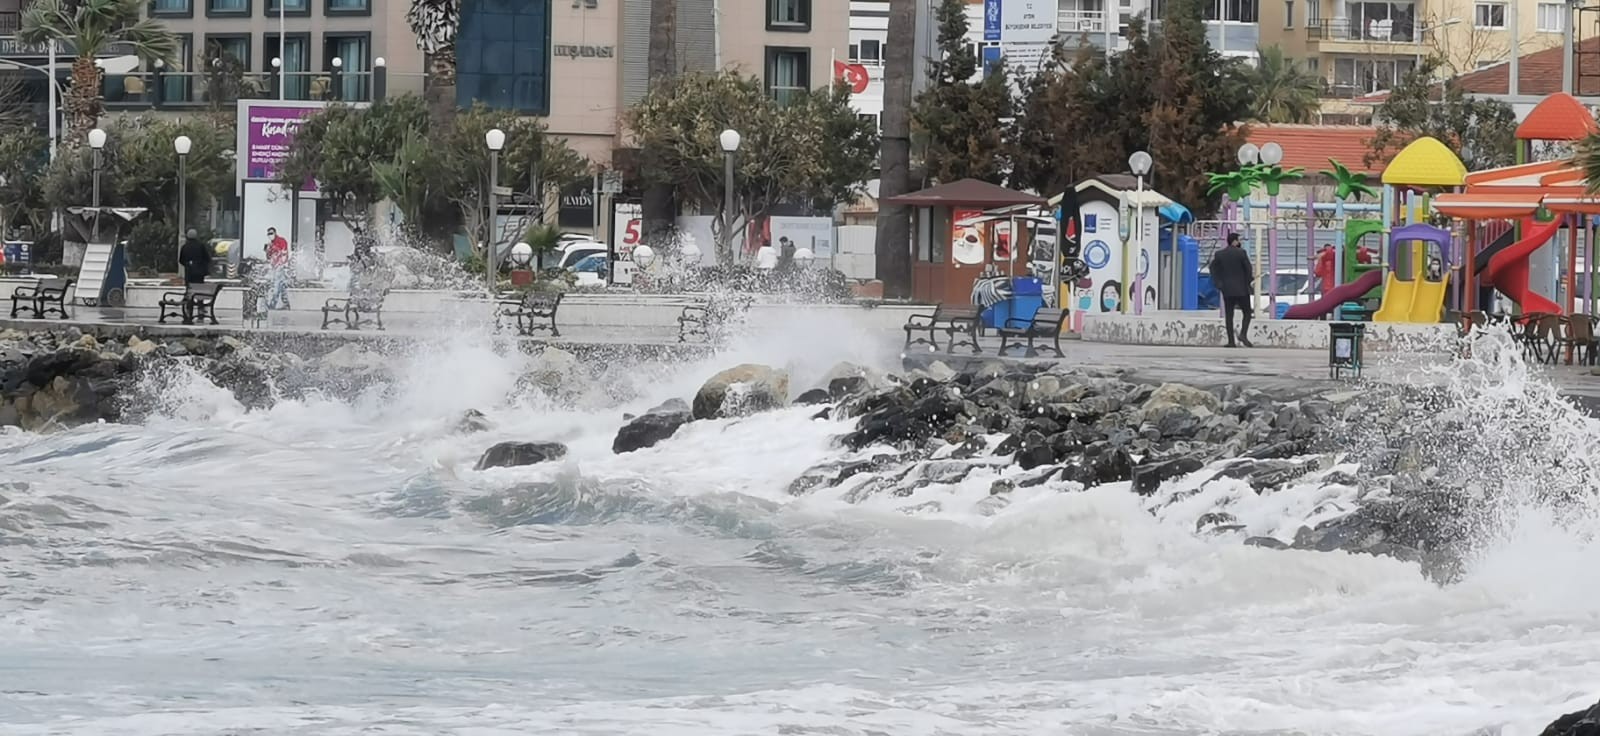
[{"x": 269, "y": 129}]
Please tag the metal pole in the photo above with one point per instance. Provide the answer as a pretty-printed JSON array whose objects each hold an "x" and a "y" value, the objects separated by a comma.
[
  {"x": 1138, "y": 239},
  {"x": 1272, "y": 255},
  {"x": 53, "y": 102},
  {"x": 1516, "y": 52},
  {"x": 594, "y": 205},
  {"x": 489, "y": 263},
  {"x": 1566, "y": 55},
  {"x": 283, "y": 45},
  {"x": 727, "y": 205},
  {"x": 183, "y": 195},
  {"x": 95, "y": 199}
]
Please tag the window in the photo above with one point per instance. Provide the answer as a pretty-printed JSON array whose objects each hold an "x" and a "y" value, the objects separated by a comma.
[
  {"x": 1240, "y": 11},
  {"x": 354, "y": 51},
  {"x": 296, "y": 57},
  {"x": 789, "y": 15},
  {"x": 177, "y": 83},
  {"x": 172, "y": 7},
  {"x": 871, "y": 52},
  {"x": 289, "y": 7},
  {"x": 1288, "y": 14},
  {"x": 227, "y": 7},
  {"x": 788, "y": 73},
  {"x": 1489, "y": 15},
  {"x": 235, "y": 47},
  {"x": 1552, "y": 17},
  {"x": 1367, "y": 20},
  {"x": 349, "y": 7},
  {"x": 1363, "y": 75},
  {"x": 503, "y": 56}
]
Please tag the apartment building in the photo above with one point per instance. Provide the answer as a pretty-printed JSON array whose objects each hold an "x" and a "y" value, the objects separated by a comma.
[{"x": 1361, "y": 47}]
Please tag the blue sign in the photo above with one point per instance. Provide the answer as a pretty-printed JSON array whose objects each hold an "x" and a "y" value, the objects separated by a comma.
[
  {"x": 18, "y": 253},
  {"x": 991, "y": 20},
  {"x": 991, "y": 59},
  {"x": 1097, "y": 255},
  {"x": 1091, "y": 223}
]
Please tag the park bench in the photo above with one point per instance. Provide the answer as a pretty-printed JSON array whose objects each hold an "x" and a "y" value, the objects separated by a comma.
[
  {"x": 533, "y": 311},
  {"x": 1045, "y": 323},
  {"x": 195, "y": 302},
  {"x": 954, "y": 322},
  {"x": 46, "y": 296},
  {"x": 711, "y": 319},
  {"x": 348, "y": 310}
]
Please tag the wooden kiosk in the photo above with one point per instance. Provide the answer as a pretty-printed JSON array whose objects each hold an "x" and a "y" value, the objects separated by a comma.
[{"x": 947, "y": 256}]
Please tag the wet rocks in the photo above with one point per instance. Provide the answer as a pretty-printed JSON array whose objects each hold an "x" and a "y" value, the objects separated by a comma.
[
  {"x": 1584, "y": 722},
  {"x": 741, "y": 390},
  {"x": 516, "y": 454},
  {"x": 650, "y": 428}
]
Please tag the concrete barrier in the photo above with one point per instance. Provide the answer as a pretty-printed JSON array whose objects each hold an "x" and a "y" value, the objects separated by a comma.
[{"x": 1196, "y": 329}]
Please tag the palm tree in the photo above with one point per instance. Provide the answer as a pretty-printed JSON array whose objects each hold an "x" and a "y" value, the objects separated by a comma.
[
  {"x": 1285, "y": 91},
  {"x": 893, "y": 243},
  {"x": 435, "y": 23},
  {"x": 90, "y": 29}
]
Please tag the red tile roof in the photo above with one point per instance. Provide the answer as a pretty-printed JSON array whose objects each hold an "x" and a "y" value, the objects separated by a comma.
[
  {"x": 1310, "y": 146},
  {"x": 1539, "y": 73}
]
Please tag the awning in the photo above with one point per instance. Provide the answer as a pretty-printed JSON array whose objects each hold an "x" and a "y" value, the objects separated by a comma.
[
  {"x": 1486, "y": 206},
  {"x": 1580, "y": 205}
]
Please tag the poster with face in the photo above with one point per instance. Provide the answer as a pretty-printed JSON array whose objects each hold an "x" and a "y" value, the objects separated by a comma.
[
  {"x": 966, "y": 239},
  {"x": 1101, "y": 250}
]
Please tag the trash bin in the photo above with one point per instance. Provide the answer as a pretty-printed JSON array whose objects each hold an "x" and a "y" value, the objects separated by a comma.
[{"x": 1344, "y": 348}]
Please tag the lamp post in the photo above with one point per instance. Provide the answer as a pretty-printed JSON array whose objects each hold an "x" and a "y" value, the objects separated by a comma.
[
  {"x": 97, "y": 141},
  {"x": 277, "y": 75},
  {"x": 338, "y": 78},
  {"x": 181, "y": 145},
  {"x": 521, "y": 255},
  {"x": 380, "y": 79},
  {"x": 1139, "y": 164},
  {"x": 730, "y": 145},
  {"x": 1249, "y": 155},
  {"x": 1272, "y": 155},
  {"x": 496, "y": 140}
]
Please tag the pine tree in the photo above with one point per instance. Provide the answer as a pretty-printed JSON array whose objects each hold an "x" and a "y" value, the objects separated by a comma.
[
  {"x": 960, "y": 120},
  {"x": 1199, "y": 99}
]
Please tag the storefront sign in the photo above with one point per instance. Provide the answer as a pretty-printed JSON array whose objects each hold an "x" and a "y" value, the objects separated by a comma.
[
  {"x": 579, "y": 51},
  {"x": 577, "y": 206}
]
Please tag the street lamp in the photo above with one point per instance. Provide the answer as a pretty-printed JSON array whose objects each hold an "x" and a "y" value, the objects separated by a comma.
[
  {"x": 730, "y": 145},
  {"x": 338, "y": 78},
  {"x": 1272, "y": 155},
  {"x": 1139, "y": 164},
  {"x": 181, "y": 145},
  {"x": 97, "y": 141},
  {"x": 277, "y": 72},
  {"x": 495, "y": 139},
  {"x": 804, "y": 257}
]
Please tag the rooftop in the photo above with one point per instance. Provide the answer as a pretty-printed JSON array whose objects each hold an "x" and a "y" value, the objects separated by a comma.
[{"x": 1310, "y": 146}]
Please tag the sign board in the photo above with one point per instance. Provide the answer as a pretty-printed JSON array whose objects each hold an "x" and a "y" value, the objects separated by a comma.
[
  {"x": 815, "y": 233},
  {"x": 611, "y": 182},
  {"x": 265, "y": 131},
  {"x": 1026, "y": 27},
  {"x": 627, "y": 226},
  {"x": 991, "y": 20},
  {"x": 577, "y": 206},
  {"x": 17, "y": 253}
]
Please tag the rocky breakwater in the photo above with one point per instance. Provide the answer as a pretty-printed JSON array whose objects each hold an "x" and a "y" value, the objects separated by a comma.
[
  {"x": 1192, "y": 455},
  {"x": 57, "y": 379}
]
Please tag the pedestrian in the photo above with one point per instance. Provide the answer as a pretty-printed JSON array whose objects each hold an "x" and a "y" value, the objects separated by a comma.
[
  {"x": 1324, "y": 269},
  {"x": 1234, "y": 277},
  {"x": 195, "y": 258},
  {"x": 278, "y": 265}
]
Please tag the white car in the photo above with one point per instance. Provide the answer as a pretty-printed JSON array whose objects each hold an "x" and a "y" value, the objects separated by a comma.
[{"x": 1294, "y": 287}]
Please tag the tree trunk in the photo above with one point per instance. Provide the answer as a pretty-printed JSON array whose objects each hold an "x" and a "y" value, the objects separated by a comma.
[
  {"x": 657, "y": 210},
  {"x": 82, "y": 99},
  {"x": 441, "y": 90},
  {"x": 893, "y": 245}
]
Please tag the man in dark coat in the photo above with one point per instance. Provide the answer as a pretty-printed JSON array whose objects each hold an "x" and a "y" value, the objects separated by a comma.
[
  {"x": 1235, "y": 279},
  {"x": 195, "y": 257}
]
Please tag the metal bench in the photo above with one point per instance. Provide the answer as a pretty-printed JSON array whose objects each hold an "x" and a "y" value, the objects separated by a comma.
[
  {"x": 534, "y": 312},
  {"x": 348, "y": 310},
  {"x": 47, "y": 296},
  {"x": 954, "y": 322},
  {"x": 710, "y": 320},
  {"x": 1045, "y": 323},
  {"x": 196, "y": 301}
]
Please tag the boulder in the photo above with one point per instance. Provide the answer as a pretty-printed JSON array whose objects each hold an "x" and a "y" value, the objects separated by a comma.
[
  {"x": 1584, "y": 722},
  {"x": 650, "y": 428},
  {"x": 741, "y": 390},
  {"x": 1148, "y": 475},
  {"x": 814, "y": 397},
  {"x": 1177, "y": 394},
  {"x": 555, "y": 370},
  {"x": 514, "y": 454}
]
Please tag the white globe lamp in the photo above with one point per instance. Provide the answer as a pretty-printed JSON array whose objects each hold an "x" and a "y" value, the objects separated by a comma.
[
  {"x": 521, "y": 255},
  {"x": 804, "y": 257},
  {"x": 644, "y": 257}
]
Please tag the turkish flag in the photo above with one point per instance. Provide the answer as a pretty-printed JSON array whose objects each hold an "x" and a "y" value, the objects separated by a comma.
[{"x": 854, "y": 74}]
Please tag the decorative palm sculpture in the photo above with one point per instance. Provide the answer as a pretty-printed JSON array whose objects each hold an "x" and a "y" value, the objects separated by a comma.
[
  {"x": 1347, "y": 184},
  {"x": 1273, "y": 177},
  {"x": 1235, "y": 184}
]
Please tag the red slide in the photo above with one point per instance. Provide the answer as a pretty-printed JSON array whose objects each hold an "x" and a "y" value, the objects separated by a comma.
[
  {"x": 1508, "y": 269},
  {"x": 1339, "y": 295}
]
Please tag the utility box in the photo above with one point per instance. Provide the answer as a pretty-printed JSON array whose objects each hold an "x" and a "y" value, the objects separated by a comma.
[{"x": 1344, "y": 348}]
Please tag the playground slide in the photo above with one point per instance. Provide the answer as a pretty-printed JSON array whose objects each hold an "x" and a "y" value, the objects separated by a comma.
[
  {"x": 1506, "y": 239},
  {"x": 1339, "y": 295},
  {"x": 1416, "y": 301},
  {"x": 1508, "y": 269}
]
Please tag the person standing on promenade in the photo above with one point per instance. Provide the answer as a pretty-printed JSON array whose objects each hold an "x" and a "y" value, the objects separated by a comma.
[
  {"x": 1234, "y": 276},
  {"x": 195, "y": 258},
  {"x": 278, "y": 263}
]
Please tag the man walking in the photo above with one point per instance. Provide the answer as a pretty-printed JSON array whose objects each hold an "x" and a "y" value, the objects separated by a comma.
[
  {"x": 278, "y": 267},
  {"x": 195, "y": 258},
  {"x": 1234, "y": 277}
]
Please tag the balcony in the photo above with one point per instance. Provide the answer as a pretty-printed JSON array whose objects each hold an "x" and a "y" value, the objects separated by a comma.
[
  {"x": 10, "y": 22},
  {"x": 189, "y": 90},
  {"x": 1357, "y": 35}
]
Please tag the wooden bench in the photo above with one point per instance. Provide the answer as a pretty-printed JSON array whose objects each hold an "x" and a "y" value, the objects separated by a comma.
[
  {"x": 710, "y": 320},
  {"x": 534, "y": 312},
  {"x": 196, "y": 301},
  {"x": 347, "y": 310},
  {"x": 47, "y": 296},
  {"x": 954, "y": 322},
  {"x": 1045, "y": 323}
]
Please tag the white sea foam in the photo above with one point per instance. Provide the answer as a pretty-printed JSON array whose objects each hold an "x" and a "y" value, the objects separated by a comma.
[{"x": 333, "y": 565}]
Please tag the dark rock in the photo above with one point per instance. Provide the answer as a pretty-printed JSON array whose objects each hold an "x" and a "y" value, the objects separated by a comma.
[
  {"x": 1100, "y": 463},
  {"x": 515, "y": 454},
  {"x": 1268, "y": 542},
  {"x": 843, "y": 386},
  {"x": 816, "y": 396},
  {"x": 1148, "y": 475},
  {"x": 652, "y": 427},
  {"x": 1036, "y": 451},
  {"x": 741, "y": 390},
  {"x": 472, "y": 421},
  {"x": 1008, "y": 446},
  {"x": 1577, "y": 723}
]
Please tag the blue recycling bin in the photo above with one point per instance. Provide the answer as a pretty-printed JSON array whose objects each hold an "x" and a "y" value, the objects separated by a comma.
[{"x": 1027, "y": 297}]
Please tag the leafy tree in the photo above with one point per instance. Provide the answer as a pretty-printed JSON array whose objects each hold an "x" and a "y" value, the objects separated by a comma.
[
  {"x": 24, "y": 154},
  {"x": 337, "y": 147},
  {"x": 92, "y": 28},
  {"x": 812, "y": 151},
  {"x": 1482, "y": 132},
  {"x": 959, "y": 119},
  {"x": 1199, "y": 96},
  {"x": 1285, "y": 91}
]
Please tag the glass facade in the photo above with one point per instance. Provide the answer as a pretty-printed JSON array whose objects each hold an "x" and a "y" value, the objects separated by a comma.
[{"x": 503, "y": 55}]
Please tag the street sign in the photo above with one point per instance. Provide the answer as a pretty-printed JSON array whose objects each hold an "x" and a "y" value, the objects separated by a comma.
[{"x": 611, "y": 182}]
